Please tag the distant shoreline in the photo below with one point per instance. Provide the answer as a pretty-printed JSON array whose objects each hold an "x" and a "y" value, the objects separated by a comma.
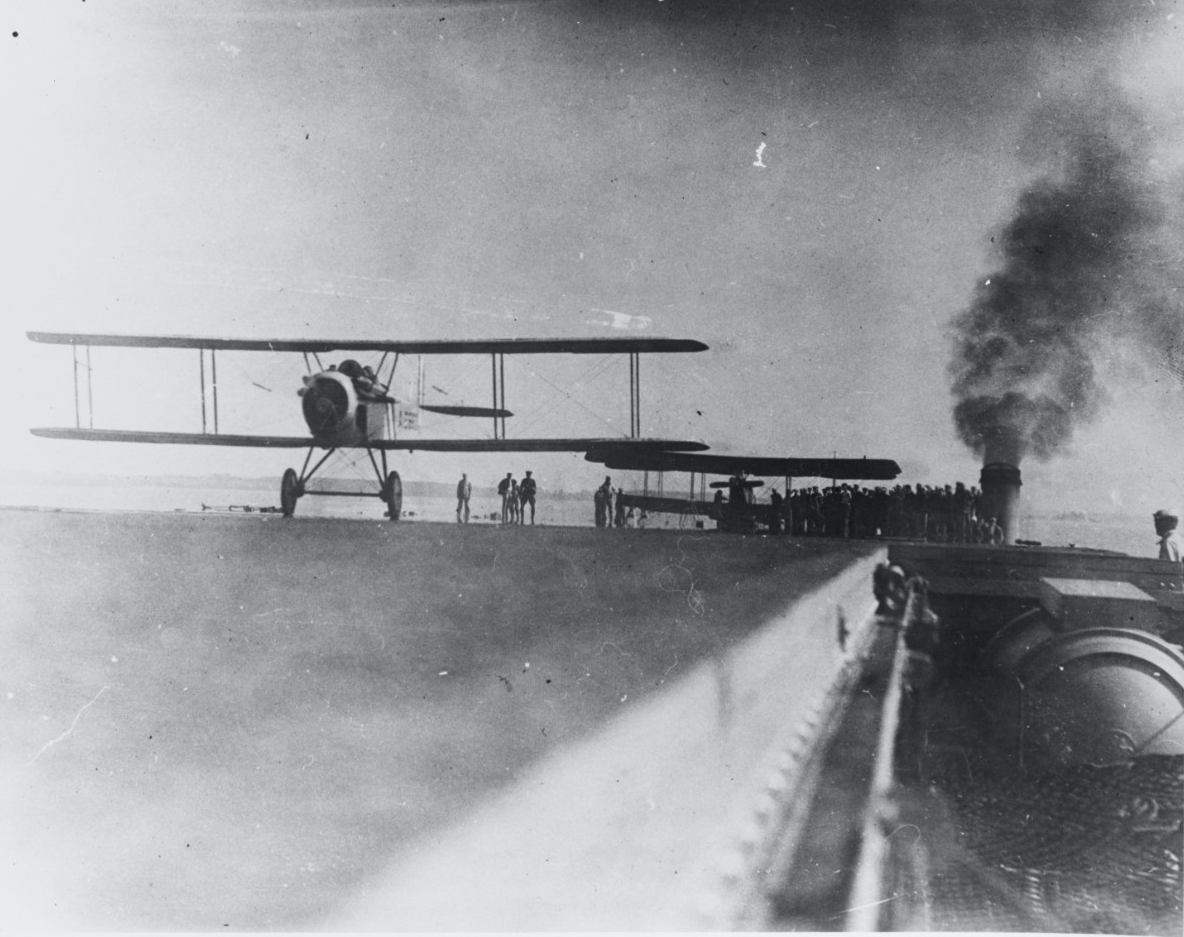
[
  {"x": 425, "y": 489},
  {"x": 221, "y": 511}
]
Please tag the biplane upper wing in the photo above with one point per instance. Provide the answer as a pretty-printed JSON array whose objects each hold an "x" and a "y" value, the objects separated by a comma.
[
  {"x": 191, "y": 439},
  {"x": 506, "y": 346},
  {"x": 768, "y": 466},
  {"x": 425, "y": 445}
]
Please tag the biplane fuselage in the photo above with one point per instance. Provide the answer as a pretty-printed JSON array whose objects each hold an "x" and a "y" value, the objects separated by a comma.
[{"x": 341, "y": 416}]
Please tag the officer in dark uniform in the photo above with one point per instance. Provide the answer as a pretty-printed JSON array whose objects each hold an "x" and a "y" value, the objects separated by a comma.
[
  {"x": 603, "y": 500},
  {"x": 503, "y": 489},
  {"x": 526, "y": 493},
  {"x": 775, "y": 508},
  {"x": 464, "y": 491}
]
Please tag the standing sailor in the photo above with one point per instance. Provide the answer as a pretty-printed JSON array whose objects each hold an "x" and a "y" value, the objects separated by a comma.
[
  {"x": 526, "y": 493},
  {"x": 1171, "y": 546},
  {"x": 603, "y": 500},
  {"x": 503, "y": 489},
  {"x": 776, "y": 503},
  {"x": 464, "y": 491},
  {"x": 513, "y": 501}
]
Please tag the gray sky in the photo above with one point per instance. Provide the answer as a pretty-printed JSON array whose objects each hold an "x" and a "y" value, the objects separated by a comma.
[{"x": 563, "y": 168}]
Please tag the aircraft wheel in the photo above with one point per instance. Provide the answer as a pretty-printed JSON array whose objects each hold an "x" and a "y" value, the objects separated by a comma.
[
  {"x": 289, "y": 492},
  {"x": 393, "y": 495}
]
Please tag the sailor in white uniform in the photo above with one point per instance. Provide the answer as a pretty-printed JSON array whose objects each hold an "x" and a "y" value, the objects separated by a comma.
[{"x": 1171, "y": 546}]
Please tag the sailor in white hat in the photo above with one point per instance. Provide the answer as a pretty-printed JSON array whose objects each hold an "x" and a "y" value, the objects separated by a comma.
[{"x": 1171, "y": 546}]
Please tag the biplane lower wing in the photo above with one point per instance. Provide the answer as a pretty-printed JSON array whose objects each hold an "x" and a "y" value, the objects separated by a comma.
[
  {"x": 408, "y": 445},
  {"x": 660, "y": 504},
  {"x": 535, "y": 445},
  {"x": 767, "y": 466}
]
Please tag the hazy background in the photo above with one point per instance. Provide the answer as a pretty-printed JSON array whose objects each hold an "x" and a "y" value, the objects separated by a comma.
[{"x": 564, "y": 168}]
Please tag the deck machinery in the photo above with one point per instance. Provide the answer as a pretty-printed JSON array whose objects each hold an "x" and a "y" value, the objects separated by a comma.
[{"x": 1010, "y": 756}]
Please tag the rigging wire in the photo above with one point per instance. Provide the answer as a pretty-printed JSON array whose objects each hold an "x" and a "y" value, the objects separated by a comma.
[
  {"x": 593, "y": 371},
  {"x": 597, "y": 366},
  {"x": 568, "y": 395}
]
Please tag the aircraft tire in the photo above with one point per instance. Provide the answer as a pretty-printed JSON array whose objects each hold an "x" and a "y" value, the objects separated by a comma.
[
  {"x": 392, "y": 494},
  {"x": 289, "y": 492}
]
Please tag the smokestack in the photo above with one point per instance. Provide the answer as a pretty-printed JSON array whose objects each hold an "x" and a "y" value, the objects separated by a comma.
[{"x": 1000, "y": 483}]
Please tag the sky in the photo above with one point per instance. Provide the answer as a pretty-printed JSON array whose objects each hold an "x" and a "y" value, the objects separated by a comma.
[{"x": 818, "y": 191}]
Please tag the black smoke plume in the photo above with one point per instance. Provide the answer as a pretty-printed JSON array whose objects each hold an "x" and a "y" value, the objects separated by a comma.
[{"x": 1083, "y": 262}]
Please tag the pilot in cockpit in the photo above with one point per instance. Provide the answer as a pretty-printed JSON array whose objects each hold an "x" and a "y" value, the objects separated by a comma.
[{"x": 364, "y": 378}]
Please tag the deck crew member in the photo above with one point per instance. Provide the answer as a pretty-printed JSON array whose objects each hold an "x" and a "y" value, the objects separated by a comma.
[
  {"x": 775, "y": 509},
  {"x": 503, "y": 489},
  {"x": 1171, "y": 546},
  {"x": 464, "y": 491},
  {"x": 513, "y": 501},
  {"x": 736, "y": 490},
  {"x": 603, "y": 500},
  {"x": 526, "y": 493},
  {"x": 963, "y": 512}
]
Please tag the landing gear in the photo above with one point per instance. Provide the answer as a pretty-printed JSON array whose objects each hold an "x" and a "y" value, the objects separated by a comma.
[
  {"x": 289, "y": 492},
  {"x": 293, "y": 487},
  {"x": 392, "y": 494}
]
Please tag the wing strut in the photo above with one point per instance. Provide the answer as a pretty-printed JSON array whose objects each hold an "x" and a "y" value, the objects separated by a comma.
[
  {"x": 90, "y": 397},
  {"x": 213, "y": 388},
  {"x": 77, "y": 413},
  {"x": 214, "y": 385},
  {"x": 634, "y": 394},
  {"x": 201, "y": 374},
  {"x": 497, "y": 361}
]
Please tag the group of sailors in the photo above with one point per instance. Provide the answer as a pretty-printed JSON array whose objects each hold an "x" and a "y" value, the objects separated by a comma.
[
  {"x": 516, "y": 495},
  {"x": 941, "y": 514},
  {"x": 610, "y": 510}
]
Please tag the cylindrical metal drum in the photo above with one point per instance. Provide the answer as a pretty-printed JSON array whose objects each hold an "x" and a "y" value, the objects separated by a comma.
[
  {"x": 1018, "y": 637},
  {"x": 1095, "y": 696}
]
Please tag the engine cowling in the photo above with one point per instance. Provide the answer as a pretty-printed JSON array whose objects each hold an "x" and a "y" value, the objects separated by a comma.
[{"x": 330, "y": 406}]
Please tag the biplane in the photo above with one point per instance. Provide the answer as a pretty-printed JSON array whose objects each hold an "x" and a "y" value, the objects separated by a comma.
[
  {"x": 739, "y": 511},
  {"x": 347, "y": 405}
]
